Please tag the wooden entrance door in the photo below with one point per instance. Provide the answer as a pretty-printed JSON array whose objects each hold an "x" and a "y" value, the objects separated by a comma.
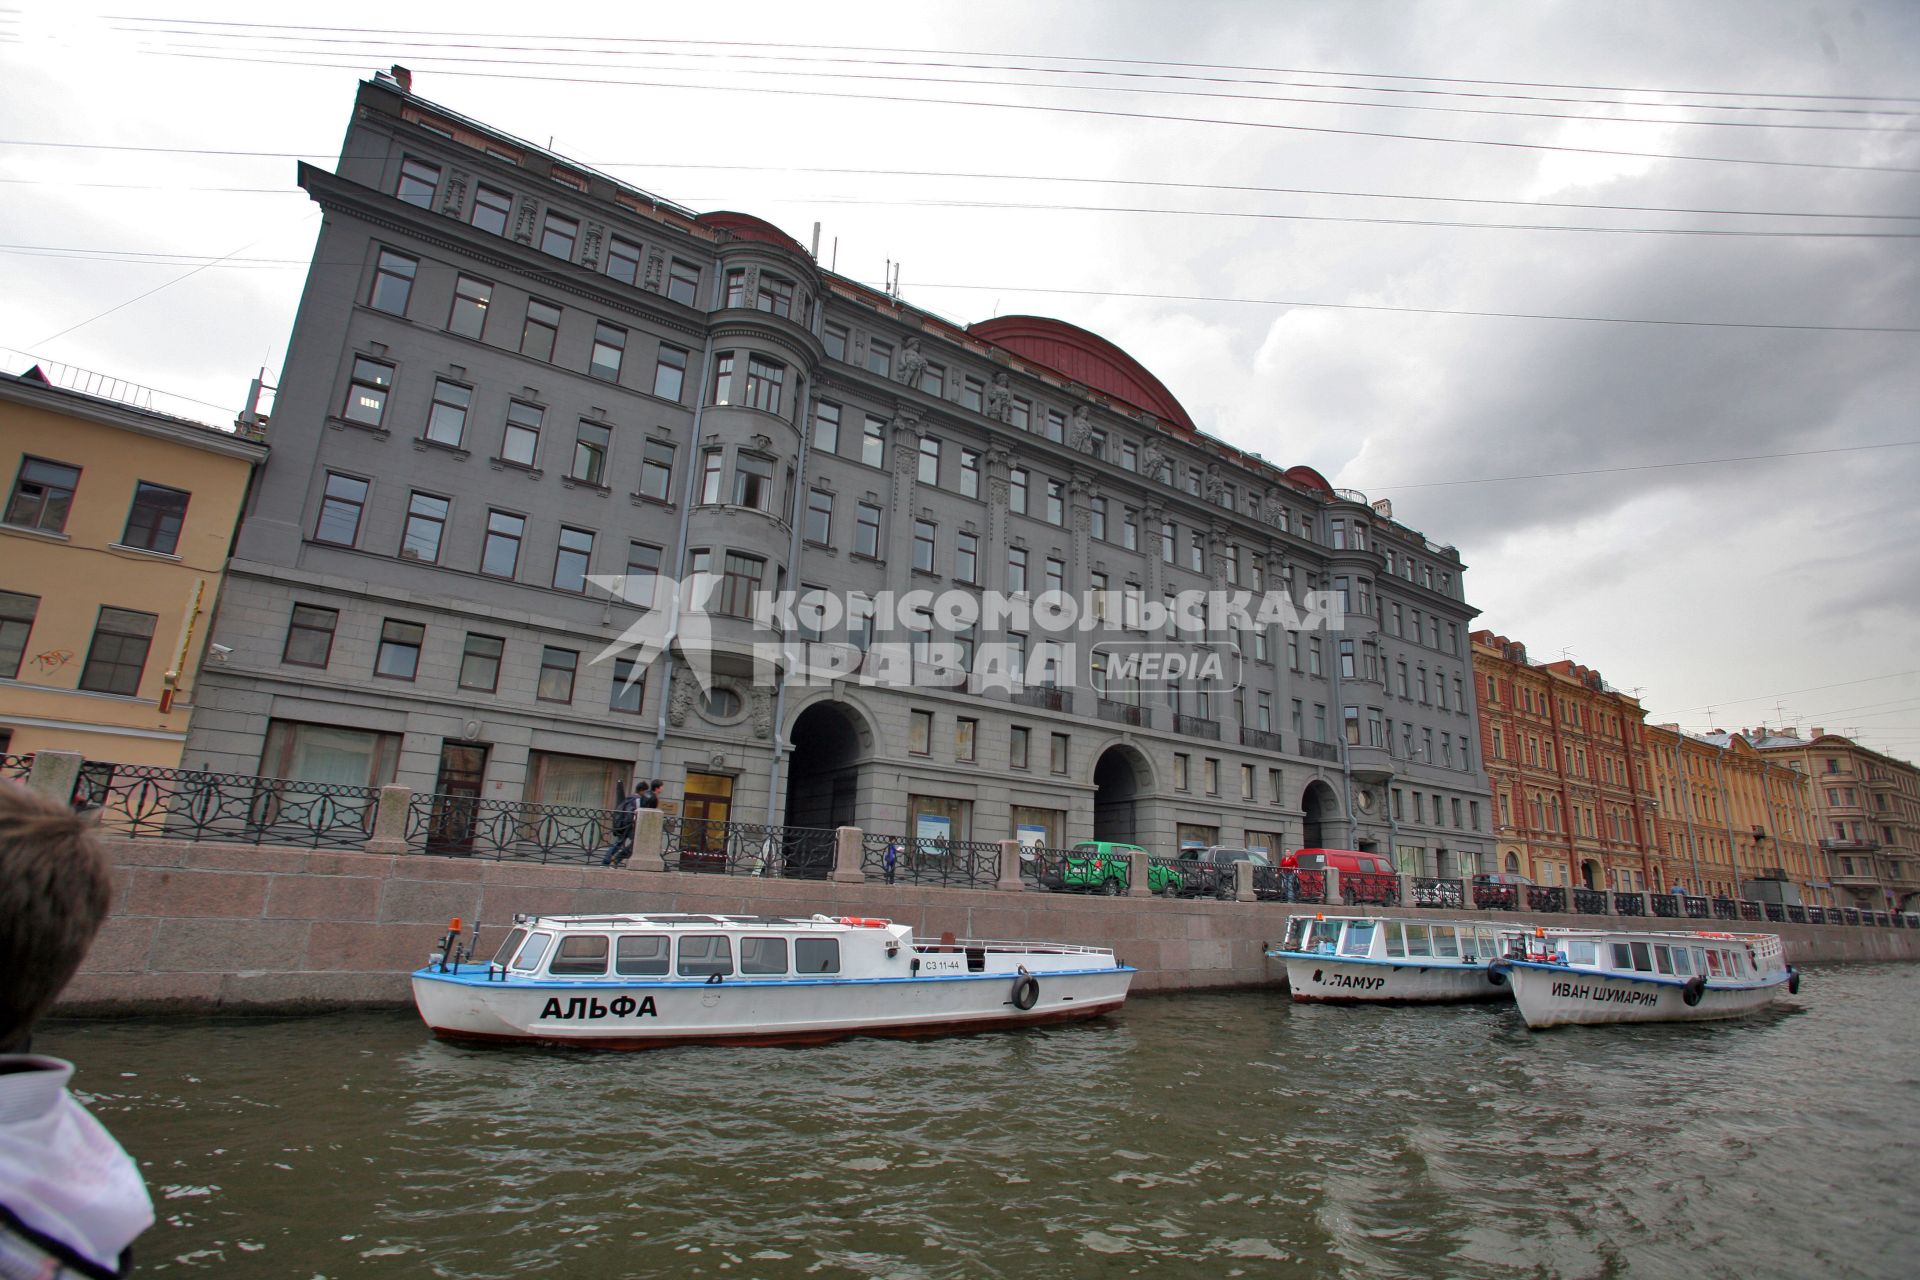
[
  {"x": 705, "y": 810},
  {"x": 456, "y": 797}
]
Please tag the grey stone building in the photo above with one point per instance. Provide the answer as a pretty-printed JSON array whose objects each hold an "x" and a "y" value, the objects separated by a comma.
[{"x": 510, "y": 374}]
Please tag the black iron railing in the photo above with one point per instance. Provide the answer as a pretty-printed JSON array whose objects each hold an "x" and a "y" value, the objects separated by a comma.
[
  {"x": 1775, "y": 911},
  {"x": 965, "y": 864},
  {"x": 1195, "y": 727},
  {"x": 1319, "y": 750},
  {"x": 148, "y": 801},
  {"x": 1039, "y": 695},
  {"x": 1665, "y": 904},
  {"x": 746, "y": 849},
  {"x": 1122, "y": 712},
  {"x": 1546, "y": 897},
  {"x": 15, "y": 766},
  {"x": 1062, "y": 870},
  {"x": 1497, "y": 897},
  {"x": 1260, "y": 739},
  {"x": 1590, "y": 902},
  {"x": 1796, "y": 914},
  {"x": 1371, "y": 888},
  {"x": 1449, "y": 895},
  {"x": 1726, "y": 909},
  {"x": 1816, "y": 915},
  {"x": 1629, "y": 904},
  {"x": 512, "y": 830},
  {"x": 1697, "y": 908},
  {"x": 1750, "y": 910}
]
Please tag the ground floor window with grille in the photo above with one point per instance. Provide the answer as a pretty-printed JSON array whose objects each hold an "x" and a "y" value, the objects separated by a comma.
[
  {"x": 586, "y": 782},
  {"x": 325, "y": 753},
  {"x": 938, "y": 822},
  {"x": 1194, "y": 836},
  {"x": 1032, "y": 826}
]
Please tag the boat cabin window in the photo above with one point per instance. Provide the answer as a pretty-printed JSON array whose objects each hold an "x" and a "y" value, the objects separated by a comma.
[
  {"x": 1418, "y": 943},
  {"x": 1699, "y": 960},
  {"x": 704, "y": 954},
  {"x": 641, "y": 956},
  {"x": 1581, "y": 951},
  {"x": 1713, "y": 964},
  {"x": 816, "y": 955},
  {"x": 1396, "y": 940},
  {"x": 1682, "y": 963},
  {"x": 763, "y": 956},
  {"x": 533, "y": 953},
  {"x": 1325, "y": 934},
  {"x": 1662, "y": 959},
  {"x": 1642, "y": 957},
  {"x": 1446, "y": 943},
  {"x": 1622, "y": 958},
  {"x": 512, "y": 944},
  {"x": 1359, "y": 939},
  {"x": 1485, "y": 944},
  {"x": 581, "y": 955}
]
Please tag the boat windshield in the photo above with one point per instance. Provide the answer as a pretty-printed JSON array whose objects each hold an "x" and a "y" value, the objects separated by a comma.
[
  {"x": 1359, "y": 939},
  {"x": 1581, "y": 951},
  {"x": 511, "y": 945},
  {"x": 533, "y": 953},
  {"x": 1323, "y": 937}
]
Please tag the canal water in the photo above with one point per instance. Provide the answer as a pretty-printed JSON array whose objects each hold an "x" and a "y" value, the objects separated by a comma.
[{"x": 1206, "y": 1135}]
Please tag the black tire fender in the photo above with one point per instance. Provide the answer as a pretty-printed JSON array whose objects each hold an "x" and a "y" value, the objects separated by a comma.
[
  {"x": 1793, "y": 981},
  {"x": 1026, "y": 991},
  {"x": 1497, "y": 974},
  {"x": 1696, "y": 987}
]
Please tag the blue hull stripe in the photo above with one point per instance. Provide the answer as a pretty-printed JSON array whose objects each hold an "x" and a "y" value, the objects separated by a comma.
[
  {"x": 479, "y": 979},
  {"x": 1658, "y": 980}
]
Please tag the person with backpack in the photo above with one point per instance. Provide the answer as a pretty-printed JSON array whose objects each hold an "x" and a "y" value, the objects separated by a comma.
[{"x": 622, "y": 847}]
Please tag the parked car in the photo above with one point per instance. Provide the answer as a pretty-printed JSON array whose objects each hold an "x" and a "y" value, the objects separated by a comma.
[
  {"x": 1208, "y": 872},
  {"x": 1099, "y": 866},
  {"x": 1364, "y": 877},
  {"x": 1499, "y": 890}
]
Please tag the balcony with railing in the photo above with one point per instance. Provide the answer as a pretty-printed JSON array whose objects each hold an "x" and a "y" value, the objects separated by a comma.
[
  {"x": 1260, "y": 740},
  {"x": 1043, "y": 696},
  {"x": 1122, "y": 713},
  {"x": 1320, "y": 751},
  {"x": 1195, "y": 727}
]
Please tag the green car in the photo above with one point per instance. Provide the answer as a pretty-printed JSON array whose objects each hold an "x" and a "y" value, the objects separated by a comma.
[{"x": 1102, "y": 866}]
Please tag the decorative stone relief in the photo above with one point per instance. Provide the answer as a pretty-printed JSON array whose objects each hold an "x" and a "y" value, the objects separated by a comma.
[
  {"x": 590, "y": 242},
  {"x": 762, "y": 713},
  {"x": 681, "y": 699},
  {"x": 656, "y": 271},
  {"x": 454, "y": 201},
  {"x": 1080, "y": 433},
  {"x": 912, "y": 364},
  {"x": 524, "y": 220},
  {"x": 1215, "y": 487},
  {"x": 1153, "y": 464},
  {"x": 1000, "y": 399}
]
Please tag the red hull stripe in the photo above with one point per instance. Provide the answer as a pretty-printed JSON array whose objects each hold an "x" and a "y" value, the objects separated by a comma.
[{"x": 959, "y": 1026}]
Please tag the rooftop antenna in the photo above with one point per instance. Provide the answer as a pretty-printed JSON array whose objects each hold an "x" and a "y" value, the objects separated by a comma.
[{"x": 834, "y": 265}]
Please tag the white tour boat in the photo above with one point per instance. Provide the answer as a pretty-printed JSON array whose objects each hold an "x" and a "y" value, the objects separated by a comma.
[
  {"x": 1391, "y": 959},
  {"x": 639, "y": 981},
  {"x": 1562, "y": 977}
]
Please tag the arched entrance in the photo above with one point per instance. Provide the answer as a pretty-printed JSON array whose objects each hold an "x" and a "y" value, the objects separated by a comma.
[
  {"x": 1320, "y": 810},
  {"x": 823, "y": 778},
  {"x": 1120, "y": 777}
]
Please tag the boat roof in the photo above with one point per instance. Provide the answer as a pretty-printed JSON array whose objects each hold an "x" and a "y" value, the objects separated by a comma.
[
  {"x": 1660, "y": 935},
  {"x": 698, "y": 920}
]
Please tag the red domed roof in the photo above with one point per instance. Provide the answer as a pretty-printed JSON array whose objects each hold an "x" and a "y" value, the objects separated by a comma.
[
  {"x": 1308, "y": 478},
  {"x": 744, "y": 226},
  {"x": 1086, "y": 358}
]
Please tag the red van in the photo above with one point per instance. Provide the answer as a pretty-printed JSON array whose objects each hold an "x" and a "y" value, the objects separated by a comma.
[{"x": 1364, "y": 877}]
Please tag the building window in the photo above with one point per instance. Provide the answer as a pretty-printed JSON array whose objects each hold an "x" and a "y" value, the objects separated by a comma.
[
  {"x": 966, "y": 557},
  {"x": 880, "y": 358},
  {"x": 1016, "y": 570},
  {"x": 1017, "y": 491},
  {"x": 819, "y": 517},
  {"x": 623, "y": 260},
  {"x": 923, "y": 536},
  {"x": 42, "y": 495},
  {"x": 309, "y": 637},
  {"x": 740, "y": 583},
  {"x": 973, "y": 393},
  {"x": 1197, "y": 552},
  {"x": 571, "y": 560},
  {"x": 471, "y": 298},
  {"x": 1056, "y": 574},
  {"x": 500, "y": 556},
  {"x": 929, "y": 460},
  {"x": 418, "y": 181},
  {"x": 629, "y": 687},
  {"x": 340, "y": 508},
  {"x": 866, "y": 533},
  {"x": 392, "y": 282},
  {"x": 776, "y": 295},
  {"x": 722, "y": 390},
  {"x": 1097, "y": 518},
  {"x": 712, "y": 464},
  {"x": 118, "y": 654},
  {"x": 556, "y": 674},
  {"x": 558, "y": 235},
  {"x": 683, "y": 282},
  {"x": 155, "y": 521},
  {"x": 398, "y": 657},
  {"x": 766, "y": 381},
  {"x": 426, "y": 521},
  {"x": 966, "y": 735},
  {"x": 737, "y": 287},
  {"x": 1018, "y": 738},
  {"x": 491, "y": 210},
  {"x": 590, "y": 443},
  {"x": 1056, "y": 426},
  {"x": 656, "y": 471},
  {"x": 1058, "y": 759},
  {"x": 542, "y": 326},
  {"x": 670, "y": 373},
  {"x": 367, "y": 391},
  {"x": 834, "y": 338},
  {"x": 609, "y": 346},
  {"x": 480, "y": 662},
  {"x": 447, "y": 419},
  {"x": 521, "y": 441},
  {"x": 873, "y": 442},
  {"x": 1056, "y": 502},
  {"x": 1181, "y": 765},
  {"x": 753, "y": 482},
  {"x": 920, "y": 732}
]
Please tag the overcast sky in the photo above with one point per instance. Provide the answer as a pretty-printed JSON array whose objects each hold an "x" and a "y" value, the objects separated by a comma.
[{"x": 1734, "y": 585}]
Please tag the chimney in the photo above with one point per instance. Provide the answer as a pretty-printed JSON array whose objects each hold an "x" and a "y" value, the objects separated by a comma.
[
  {"x": 1818, "y": 732},
  {"x": 402, "y": 77}
]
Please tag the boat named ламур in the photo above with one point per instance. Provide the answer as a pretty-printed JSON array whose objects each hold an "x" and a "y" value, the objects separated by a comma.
[
  {"x": 639, "y": 981},
  {"x": 1563, "y": 977},
  {"x": 1390, "y": 959}
]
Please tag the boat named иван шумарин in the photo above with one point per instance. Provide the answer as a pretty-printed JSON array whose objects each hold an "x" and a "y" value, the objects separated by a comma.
[
  {"x": 1389, "y": 959},
  {"x": 1562, "y": 977},
  {"x": 639, "y": 981}
]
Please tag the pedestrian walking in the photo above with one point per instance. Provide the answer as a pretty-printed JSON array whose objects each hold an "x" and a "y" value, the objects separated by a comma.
[
  {"x": 622, "y": 847},
  {"x": 892, "y": 858}
]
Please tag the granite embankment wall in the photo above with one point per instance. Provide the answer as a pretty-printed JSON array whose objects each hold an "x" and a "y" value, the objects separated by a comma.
[{"x": 204, "y": 926}]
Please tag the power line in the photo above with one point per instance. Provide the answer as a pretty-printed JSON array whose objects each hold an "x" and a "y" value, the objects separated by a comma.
[
  {"x": 1815, "y": 688},
  {"x": 1648, "y": 466},
  {"x": 1056, "y": 109},
  {"x": 382, "y": 46},
  {"x": 975, "y": 53}
]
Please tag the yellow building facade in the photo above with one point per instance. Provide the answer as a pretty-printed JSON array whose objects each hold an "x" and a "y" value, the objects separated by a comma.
[
  {"x": 1866, "y": 816},
  {"x": 1733, "y": 820},
  {"x": 113, "y": 538}
]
